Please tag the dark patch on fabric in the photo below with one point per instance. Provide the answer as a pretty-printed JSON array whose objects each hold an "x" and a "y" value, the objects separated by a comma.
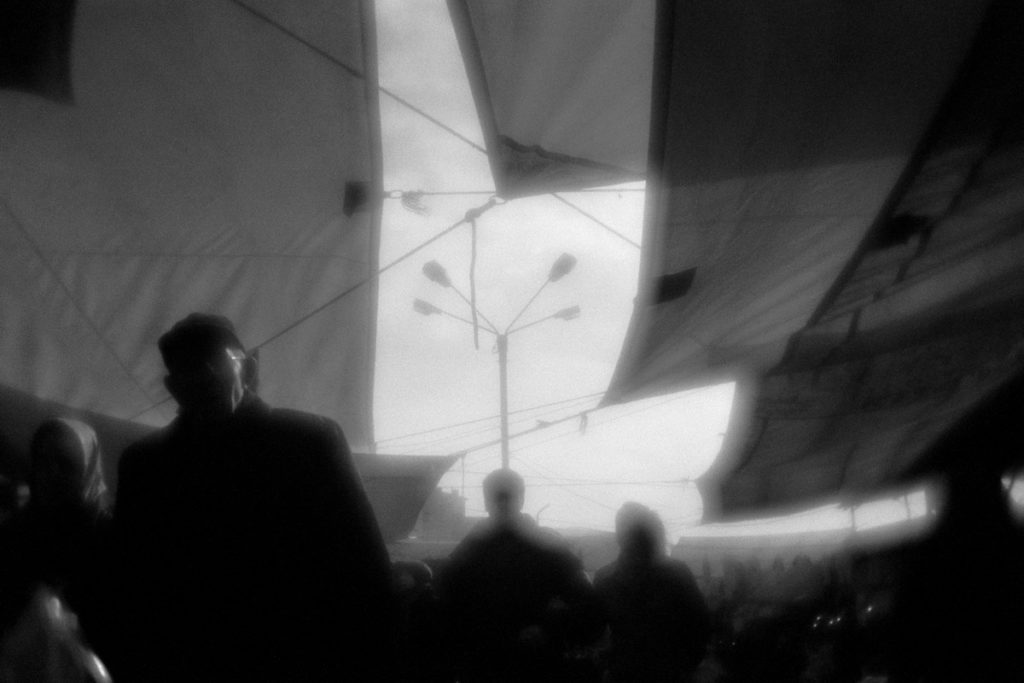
[
  {"x": 899, "y": 230},
  {"x": 673, "y": 286},
  {"x": 35, "y": 47}
]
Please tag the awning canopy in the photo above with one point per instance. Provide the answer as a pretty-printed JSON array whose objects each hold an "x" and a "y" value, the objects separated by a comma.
[
  {"x": 562, "y": 89},
  {"x": 834, "y": 214},
  {"x": 164, "y": 158},
  {"x": 778, "y": 133},
  {"x": 916, "y": 353}
]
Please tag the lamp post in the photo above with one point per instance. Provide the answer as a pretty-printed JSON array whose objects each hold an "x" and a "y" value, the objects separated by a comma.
[
  {"x": 435, "y": 272},
  {"x": 502, "y": 343}
]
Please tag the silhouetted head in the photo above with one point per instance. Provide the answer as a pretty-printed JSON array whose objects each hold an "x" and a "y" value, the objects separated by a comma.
[
  {"x": 504, "y": 491},
  {"x": 639, "y": 531},
  {"x": 66, "y": 468},
  {"x": 409, "y": 576},
  {"x": 208, "y": 370},
  {"x": 974, "y": 492}
]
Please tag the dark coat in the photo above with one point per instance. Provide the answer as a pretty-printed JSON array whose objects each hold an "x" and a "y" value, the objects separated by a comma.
[
  {"x": 251, "y": 553},
  {"x": 516, "y": 600},
  {"x": 660, "y": 624},
  {"x": 958, "y": 612},
  {"x": 70, "y": 553}
]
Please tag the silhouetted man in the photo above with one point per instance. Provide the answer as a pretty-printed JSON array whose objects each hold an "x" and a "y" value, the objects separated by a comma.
[
  {"x": 959, "y": 605},
  {"x": 659, "y": 622},
  {"x": 515, "y": 598},
  {"x": 251, "y": 552}
]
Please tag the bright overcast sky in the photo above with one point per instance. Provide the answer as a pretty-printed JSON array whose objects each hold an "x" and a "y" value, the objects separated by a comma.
[{"x": 430, "y": 376}]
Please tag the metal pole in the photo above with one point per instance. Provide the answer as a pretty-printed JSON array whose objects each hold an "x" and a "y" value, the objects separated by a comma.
[{"x": 503, "y": 381}]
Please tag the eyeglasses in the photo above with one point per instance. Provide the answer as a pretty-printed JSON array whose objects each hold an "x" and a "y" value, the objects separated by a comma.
[{"x": 216, "y": 361}]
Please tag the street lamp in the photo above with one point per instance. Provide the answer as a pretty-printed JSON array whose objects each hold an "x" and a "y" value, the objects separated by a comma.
[
  {"x": 425, "y": 307},
  {"x": 570, "y": 313},
  {"x": 562, "y": 266},
  {"x": 435, "y": 272}
]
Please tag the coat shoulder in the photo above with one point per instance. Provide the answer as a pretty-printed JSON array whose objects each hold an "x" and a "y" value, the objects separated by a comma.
[
  {"x": 304, "y": 423},
  {"x": 146, "y": 450}
]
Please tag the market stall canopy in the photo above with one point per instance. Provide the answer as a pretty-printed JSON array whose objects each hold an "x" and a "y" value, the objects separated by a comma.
[
  {"x": 778, "y": 133},
  {"x": 160, "y": 158},
  {"x": 563, "y": 89},
  {"x": 835, "y": 213},
  {"x": 398, "y": 487}
]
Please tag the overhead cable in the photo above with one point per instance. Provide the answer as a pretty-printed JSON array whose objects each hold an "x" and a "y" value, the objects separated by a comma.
[
  {"x": 354, "y": 72},
  {"x": 472, "y": 213},
  {"x": 578, "y": 415},
  {"x": 106, "y": 343},
  {"x": 359, "y": 74},
  {"x": 595, "y": 219},
  {"x": 552, "y": 484},
  {"x": 602, "y": 422},
  {"x": 433, "y": 444},
  {"x": 399, "y": 194},
  {"x": 494, "y": 417}
]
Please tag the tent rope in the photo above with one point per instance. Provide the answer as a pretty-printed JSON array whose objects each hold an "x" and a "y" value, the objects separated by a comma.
[
  {"x": 401, "y": 194},
  {"x": 472, "y": 214},
  {"x": 74, "y": 302},
  {"x": 595, "y": 219},
  {"x": 355, "y": 72},
  {"x": 404, "y": 102},
  {"x": 493, "y": 417}
]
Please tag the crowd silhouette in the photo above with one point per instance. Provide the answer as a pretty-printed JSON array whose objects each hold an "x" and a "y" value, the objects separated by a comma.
[{"x": 242, "y": 547}]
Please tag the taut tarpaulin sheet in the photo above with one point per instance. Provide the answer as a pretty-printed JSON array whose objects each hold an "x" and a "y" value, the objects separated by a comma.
[
  {"x": 397, "y": 485},
  {"x": 926, "y": 323},
  {"x": 562, "y": 89},
  {"x": 778, "y": 130},
  {"x": 197, "y": 158}
]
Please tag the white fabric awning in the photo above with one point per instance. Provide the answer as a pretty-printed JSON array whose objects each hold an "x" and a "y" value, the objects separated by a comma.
[
  {"x": 201, "y": 160},
  {"x": 562, "y": 88}
]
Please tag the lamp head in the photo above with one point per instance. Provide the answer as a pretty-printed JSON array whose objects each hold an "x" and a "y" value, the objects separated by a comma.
[
  {"x": 570, "y": 313},
  {"x": 435, "y": 272},
  {"x": 562, "y": 266},
  {"x": 425, "y": 307}
]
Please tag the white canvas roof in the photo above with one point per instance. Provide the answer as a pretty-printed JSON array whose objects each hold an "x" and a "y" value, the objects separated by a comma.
[
  {"x": 198, "y": 160},
  {"x": 562, "y": 89},
  {"x": 833, "y": 212}
]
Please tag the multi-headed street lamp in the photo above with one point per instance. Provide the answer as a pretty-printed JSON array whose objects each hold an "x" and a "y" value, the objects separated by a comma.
[{"x": 435, "y": 272}]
